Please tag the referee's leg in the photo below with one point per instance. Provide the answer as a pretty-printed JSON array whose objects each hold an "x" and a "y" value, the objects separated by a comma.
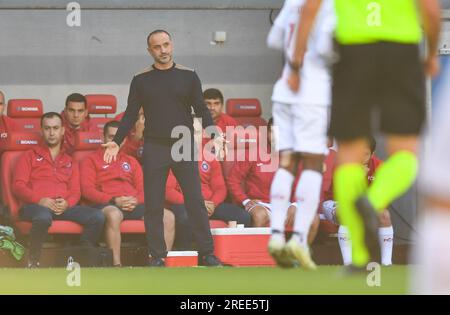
[
  {"x": 156, "y": 162},
  {"x": 188, "y": 177}
]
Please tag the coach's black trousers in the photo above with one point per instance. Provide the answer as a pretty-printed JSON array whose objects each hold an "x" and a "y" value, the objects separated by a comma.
[{"x": 157, "y": 161}]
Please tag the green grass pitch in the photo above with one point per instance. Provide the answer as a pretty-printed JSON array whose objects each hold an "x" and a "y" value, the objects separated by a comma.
[{"x": 202, "y": 281}]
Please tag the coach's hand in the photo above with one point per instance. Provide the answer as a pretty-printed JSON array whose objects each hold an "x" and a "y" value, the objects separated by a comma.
[{"x": 111, "y": 151}]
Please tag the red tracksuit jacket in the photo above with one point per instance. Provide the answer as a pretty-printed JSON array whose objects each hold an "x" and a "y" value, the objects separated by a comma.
[
  {"x": 70, "y": 133},
  {"x": 225, "y": 120},
  {"x": 247, "y": 181},
  {"x": 212, "y": 181},
  {"x": 374, "y": 163},
  {"x": 101, "y": 182},
  {"x": 37, "y": 176},
  {"x": 7, "y": 125}
]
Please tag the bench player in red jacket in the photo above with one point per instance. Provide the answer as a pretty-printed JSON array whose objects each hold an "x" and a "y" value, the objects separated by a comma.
[
  {"x": 385, "y": 232},
  {"x": 76, "y": 118},
  {"x": 214, "y": 100},
  {"x": 118, "y": 189},
  {"x": 249, "y": 184},
  {"x": 47, "y": 183}
]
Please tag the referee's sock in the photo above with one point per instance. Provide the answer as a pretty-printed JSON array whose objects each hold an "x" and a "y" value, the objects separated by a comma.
[
  {"x": 350, "y": 182},
  {"x": 392, "y": 179}
]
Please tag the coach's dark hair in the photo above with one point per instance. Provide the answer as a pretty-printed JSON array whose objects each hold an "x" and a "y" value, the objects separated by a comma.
[
  {"x": 213, "y": 94},
  {"x": 51, "y": 115},
  {"x": 372, "y": 144},
  {"x": 112, "y": 124},
  {"x": 76, "y": 97},
  {"x": 157, "y": 32}
]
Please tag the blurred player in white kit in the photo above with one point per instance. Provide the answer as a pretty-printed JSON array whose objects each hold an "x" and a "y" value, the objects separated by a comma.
[{"x": 301, "y": 120}]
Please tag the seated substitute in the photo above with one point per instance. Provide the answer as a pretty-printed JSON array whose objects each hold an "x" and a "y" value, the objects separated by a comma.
[
  {"x": 117, "y": 189},
  {"x": 385, "y": 232},
  {"x": 249, "y": 185},
  {"x": 215, "y": 102},
  {"x": 76, "y": 119},
  {"x": 47, "y": 183}
]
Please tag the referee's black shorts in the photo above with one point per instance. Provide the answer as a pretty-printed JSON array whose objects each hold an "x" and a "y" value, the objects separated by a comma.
[{"x": 382, "y": 77}]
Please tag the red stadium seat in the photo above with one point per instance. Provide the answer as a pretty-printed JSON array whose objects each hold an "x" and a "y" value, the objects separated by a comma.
[
  {"x": 88, "y": 140},
  {"x": 132, "y": 227},
  {"x": 101, "y": 104},
  {"x": 9, "y": 160},
  {"x": 246, "y": 111},
  {"x": 20, "y": 141},
  {"x": 26, "y": 113}
]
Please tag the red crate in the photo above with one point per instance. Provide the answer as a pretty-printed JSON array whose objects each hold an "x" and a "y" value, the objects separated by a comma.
[
  {"x": 242, "y": 246},
  {"x": 182, "y": 259}
]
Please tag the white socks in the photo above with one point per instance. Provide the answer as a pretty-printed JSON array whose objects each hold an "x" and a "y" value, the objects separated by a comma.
[
  {"x": 345, "y": 245},
  {"x": 280, "y": 199},
  {"x": 307, "y": 197},
  {"x": 386, "y": 239}
]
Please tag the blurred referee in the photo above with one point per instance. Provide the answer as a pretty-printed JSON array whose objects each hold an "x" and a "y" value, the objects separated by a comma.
[{"x": 166, "y": 91}]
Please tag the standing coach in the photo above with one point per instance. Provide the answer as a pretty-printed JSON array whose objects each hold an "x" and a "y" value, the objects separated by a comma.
[{"x": 167, "y": 91}]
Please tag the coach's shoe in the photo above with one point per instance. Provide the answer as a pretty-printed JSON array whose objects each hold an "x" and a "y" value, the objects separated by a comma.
[
  {"x": 210, "y": 261},
  {"x": 371, "y": 224},
  {"x": 279, "y": 254},
  {"x": 300, "y": 253},
  {"x": 156, "y": 262}
]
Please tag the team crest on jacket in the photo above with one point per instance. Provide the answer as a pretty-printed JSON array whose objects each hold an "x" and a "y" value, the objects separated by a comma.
[
  {"x": 126, "y": 167},
  {"x": 205, "y": 166}
]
